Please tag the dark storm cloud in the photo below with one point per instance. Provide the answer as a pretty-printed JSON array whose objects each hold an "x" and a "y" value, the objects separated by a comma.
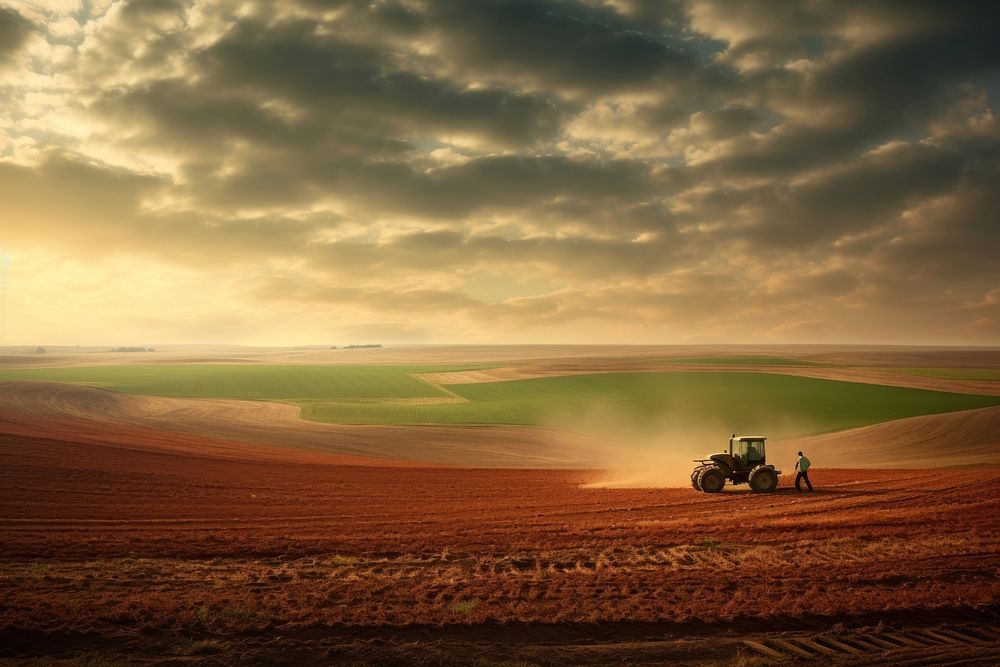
[
  {"x": 516, "y": 182},
  {"x": 561, "y": 45},
  {"x": 202, "y": 116},
  {"x": 953, "y": 39},
  {"x": 353, "y": 84},
  {"x": 137, "y": 12},
  {"x": 14, "y": 32},
  {"x": 889, "y": 85},
  {"x": 387, "y": 187},
  {"x": 727, "y": 122},
  {"x": 887, "y": 88},
  {"x": 855, "y": 196},
  {"x": 954, "y": 239}
]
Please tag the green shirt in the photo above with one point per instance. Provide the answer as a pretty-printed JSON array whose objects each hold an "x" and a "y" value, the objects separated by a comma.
[{"x": 802, "y": 464}]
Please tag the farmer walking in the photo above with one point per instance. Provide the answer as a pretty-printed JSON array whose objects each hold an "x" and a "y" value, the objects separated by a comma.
[{"x": 802, "y": 466}]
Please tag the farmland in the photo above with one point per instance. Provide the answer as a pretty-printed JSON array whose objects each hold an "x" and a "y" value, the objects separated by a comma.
[
  {"x": 396, "y": 394},
  {"x": 747, "y": 360},
  {"x": 179, "y": 512},
  {"x": 955, "y": 373},
  {"x": 748, "y": 401},
  {"x": 265, "y": 381}
]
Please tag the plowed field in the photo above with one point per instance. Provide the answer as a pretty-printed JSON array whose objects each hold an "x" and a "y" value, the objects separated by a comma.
[{"x": 190, "y": 546}]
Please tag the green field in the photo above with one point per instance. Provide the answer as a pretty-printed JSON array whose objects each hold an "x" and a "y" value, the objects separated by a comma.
[
  {"x": 392, "y": 394},
  {"x": 744, "y": 401},
  {"x": 263, "y": 381},
  {"x": 951, "y": 373}
]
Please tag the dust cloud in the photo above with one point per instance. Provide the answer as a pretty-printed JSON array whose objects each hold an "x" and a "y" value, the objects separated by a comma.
[{"x": 661, "y": 452}]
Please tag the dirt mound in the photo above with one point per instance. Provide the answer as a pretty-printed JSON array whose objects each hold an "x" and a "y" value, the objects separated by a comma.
[{"x": 967, "y": 438}]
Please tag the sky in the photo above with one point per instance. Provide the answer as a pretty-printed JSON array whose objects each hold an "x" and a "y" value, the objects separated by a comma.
[{"x": 455, "y": 171}]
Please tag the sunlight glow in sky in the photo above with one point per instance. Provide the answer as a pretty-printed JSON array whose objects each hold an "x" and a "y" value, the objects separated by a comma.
[{"x": 405, "y": 171}]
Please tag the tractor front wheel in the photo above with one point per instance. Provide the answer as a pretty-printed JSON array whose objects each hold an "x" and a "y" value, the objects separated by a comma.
[
  {"x": 711, "y": 480},
  {"x": 763, "y": 480}
]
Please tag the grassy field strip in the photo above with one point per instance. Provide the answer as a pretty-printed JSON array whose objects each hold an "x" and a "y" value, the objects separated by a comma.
[{"x": 276, "y": 382}]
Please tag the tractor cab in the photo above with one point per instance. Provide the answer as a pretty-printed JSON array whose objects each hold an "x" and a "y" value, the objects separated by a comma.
[
  {"x": 744, "y": 453},
  {"x": 744, "y": 462},
  {"x": 748, "y": 450}
]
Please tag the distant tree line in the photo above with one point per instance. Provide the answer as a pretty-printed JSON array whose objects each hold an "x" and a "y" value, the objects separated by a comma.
[
  {"x": 132, "y": 349},
  {"x": 356, "y": 347}
]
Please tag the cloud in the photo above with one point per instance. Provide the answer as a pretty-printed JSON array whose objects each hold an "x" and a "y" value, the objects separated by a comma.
[
  {"x": 573, "y": 48},
  {"x": 880, "y": 73},
  {"x": 14, "y": 33},
  {"x": 356, "y": 84},
  {"x": 872, "y": 190},
  {"x": 510, "y": 170},
  {"x": 89, "y": 210}
]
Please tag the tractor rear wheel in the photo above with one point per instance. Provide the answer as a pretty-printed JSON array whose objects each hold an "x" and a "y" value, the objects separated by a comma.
[
  {"x": 711, "y": 480},
  {"x": 763, "y": 480}
]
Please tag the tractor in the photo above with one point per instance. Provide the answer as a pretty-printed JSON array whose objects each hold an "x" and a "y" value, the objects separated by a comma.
[{"x": 744, "y": 463}]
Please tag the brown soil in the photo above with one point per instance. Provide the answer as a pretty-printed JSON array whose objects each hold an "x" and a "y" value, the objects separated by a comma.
[{"x": 121, "y": 542}]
